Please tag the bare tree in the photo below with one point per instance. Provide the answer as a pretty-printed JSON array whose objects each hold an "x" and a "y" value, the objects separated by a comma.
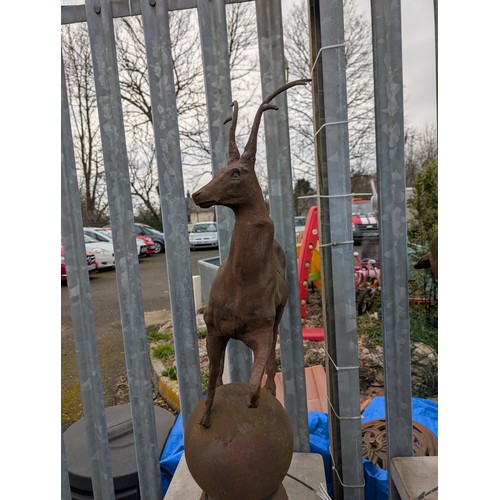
[
  {"x": 84, "y": 122},
  {"x": 189, "y": 86},
  {"x": 359, "y": 77},
  {"x": 420, "y": 149}
]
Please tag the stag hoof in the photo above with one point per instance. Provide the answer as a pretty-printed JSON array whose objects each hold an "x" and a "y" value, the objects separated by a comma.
[
  {"x": 271, "y": 390},
  {"x": 253, "y": 401},
  {"x": 205, "y": 421}
]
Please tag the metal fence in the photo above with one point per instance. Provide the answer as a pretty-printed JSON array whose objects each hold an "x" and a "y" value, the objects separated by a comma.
[{"x": 331, "y": 135}]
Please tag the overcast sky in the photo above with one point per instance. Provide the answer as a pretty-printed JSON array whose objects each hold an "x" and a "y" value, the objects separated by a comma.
[
  {"x": 419, "y": 68},
  {"x": 419, "y": 78}
]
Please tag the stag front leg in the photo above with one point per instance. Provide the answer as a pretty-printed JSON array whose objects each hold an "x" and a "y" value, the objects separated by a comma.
[
  {"x": 260, "y": 342},
  {"x": 215, "y": 349}
]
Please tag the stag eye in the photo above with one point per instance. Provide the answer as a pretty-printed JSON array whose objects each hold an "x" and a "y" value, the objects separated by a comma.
[{"x": 235, "y": 174}]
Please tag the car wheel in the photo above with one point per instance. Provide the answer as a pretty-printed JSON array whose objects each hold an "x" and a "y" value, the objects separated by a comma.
[{"x": 158, "y": 247}]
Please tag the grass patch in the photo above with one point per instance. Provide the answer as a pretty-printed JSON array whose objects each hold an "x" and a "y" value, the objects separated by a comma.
[
  {"x": 155, "y": 336},
  {"x": 170, "y": 372},
  {"x": 163, "y": 351}
]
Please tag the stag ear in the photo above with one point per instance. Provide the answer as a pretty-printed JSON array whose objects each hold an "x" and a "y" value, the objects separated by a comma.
[{"x": 234, "y": 154}]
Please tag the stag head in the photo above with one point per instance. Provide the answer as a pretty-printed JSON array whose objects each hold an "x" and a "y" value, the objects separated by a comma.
[{"x": 236, "y": 184}]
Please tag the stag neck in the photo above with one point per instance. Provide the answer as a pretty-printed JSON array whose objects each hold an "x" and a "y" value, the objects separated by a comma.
[{"x": 251, "y": 226}]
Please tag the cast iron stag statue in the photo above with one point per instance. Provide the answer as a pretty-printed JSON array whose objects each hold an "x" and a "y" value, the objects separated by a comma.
[{"x": 249, "y": 291}]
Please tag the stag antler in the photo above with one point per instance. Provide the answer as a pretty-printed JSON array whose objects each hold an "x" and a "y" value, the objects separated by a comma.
[
  {"x": 234, "y": 154},
  {"x": 251, "y": 147}
]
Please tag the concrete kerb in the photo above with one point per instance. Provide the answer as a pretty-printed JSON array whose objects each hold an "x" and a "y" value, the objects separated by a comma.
[{"x": 167, "y": 388}]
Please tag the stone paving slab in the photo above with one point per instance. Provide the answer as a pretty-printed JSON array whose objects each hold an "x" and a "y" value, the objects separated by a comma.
[
  {"x": 415, "y": 477},
  {"x": 307, "y": 467}
]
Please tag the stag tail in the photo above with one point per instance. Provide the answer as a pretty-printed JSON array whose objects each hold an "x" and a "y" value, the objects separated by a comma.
[
  {"x": 251, "y": 147},
  {"x": 234, "y": 154}
]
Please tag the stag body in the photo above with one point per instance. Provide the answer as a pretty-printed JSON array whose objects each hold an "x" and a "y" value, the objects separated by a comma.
[{"x": 249, "y": 291}]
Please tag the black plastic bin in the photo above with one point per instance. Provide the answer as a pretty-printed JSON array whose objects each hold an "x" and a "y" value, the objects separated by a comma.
[{"x": 121, "y": 450}]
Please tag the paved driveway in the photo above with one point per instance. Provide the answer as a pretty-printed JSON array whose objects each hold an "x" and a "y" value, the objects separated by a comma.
[{"x": 108, "y": 328}]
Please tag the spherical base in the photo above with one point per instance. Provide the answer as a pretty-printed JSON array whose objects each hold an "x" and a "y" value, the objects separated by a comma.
[{"x": 246, "y": 452}]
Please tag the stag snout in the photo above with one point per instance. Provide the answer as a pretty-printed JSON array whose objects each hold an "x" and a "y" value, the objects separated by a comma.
[{"x": 203, "y": 199}]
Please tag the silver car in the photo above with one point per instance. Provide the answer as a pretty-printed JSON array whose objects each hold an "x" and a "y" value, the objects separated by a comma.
[{"x": 204, "y": 235}]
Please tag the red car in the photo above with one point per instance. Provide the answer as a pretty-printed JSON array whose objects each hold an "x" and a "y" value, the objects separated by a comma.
[
  {"x": 150, "y": 244},
  {"x": 91, "y": 264}
]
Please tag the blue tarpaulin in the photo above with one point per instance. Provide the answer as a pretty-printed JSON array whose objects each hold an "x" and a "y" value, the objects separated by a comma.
[
  {"x": 424, "y": 412},
  {"x": 172, "y": 454}
]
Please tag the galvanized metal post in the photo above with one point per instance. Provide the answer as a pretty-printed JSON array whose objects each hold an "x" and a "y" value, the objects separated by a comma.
[
  {"x": 102, "y": 41},
  {"x": 65, "y": 487},
  {"x": 341, "y": 340},
  {"x": 279, "y": 168},
  {"x": 82, "y": 314},
  {"x": 389, "y": 126},
  {"x": 215, "y": 56},
  {"x": 173, "y": 207}
]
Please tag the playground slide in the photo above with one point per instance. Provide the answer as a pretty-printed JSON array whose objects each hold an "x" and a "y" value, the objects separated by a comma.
[{"x": 309, "y": 270}]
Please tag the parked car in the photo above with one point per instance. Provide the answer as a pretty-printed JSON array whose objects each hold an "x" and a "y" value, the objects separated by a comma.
[
  {"x": 103, "y": 234},
  {"x": 156, "y": 236},
  {"x": 151, "y": 247},
  {"x": 92, "y": 265},
  {"x": 364, "y": 221},
  {"x": 204, "y": 235},
  {"x": 102, "y": 250}
]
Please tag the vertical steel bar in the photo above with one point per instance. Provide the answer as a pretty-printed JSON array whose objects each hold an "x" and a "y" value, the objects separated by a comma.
[
  {"x": 102, "y": 40},
  {"x": 82, "y": 314},
  {"x": 279, "y": 168},
  {"x": 436, "y": 47},
  {"x": 173, "y": 208},
  {"x": 341, "y": 342},
  {"x": 65, "y": 487},
  {"x": 389, "y": 126},
  {"x": 215, "y": 56}
]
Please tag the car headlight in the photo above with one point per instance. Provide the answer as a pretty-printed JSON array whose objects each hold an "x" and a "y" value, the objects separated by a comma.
[{"x": 101, "y": 251}]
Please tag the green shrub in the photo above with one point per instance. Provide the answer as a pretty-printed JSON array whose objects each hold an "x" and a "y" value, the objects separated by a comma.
[{"x": 423, "y": 329}]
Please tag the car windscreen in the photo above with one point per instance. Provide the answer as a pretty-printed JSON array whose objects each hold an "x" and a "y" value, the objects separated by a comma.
[
  {"x": 362, "y": 207},
  {"x": 204, "y": 228}
]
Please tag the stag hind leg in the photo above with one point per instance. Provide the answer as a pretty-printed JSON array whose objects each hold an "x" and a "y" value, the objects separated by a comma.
[
  {"x": 271, "y": 368},
  {"x": 215, "y": 347},
  {"x": 261, "y": 343},
  {"x": 271, "y": 361}
]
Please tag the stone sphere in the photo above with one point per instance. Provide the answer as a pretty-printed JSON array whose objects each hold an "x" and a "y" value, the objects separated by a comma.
[{"x": 246, "y": 452}]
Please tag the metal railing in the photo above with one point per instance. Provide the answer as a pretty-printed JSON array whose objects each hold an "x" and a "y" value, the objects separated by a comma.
[{"x": 333, "y": 181}]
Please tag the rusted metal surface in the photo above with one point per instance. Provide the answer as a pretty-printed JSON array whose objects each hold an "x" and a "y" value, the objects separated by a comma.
[
  {"x": 249, "y": 291},
  {"x": 246, "y": 452},
  {"x": 374, "y": 442}
]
